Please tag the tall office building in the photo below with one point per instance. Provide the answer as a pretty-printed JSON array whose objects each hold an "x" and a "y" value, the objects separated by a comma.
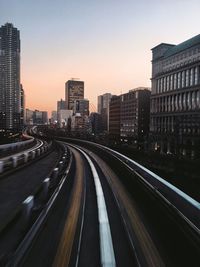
[
  {"x": 22, "y": 119},
  {"x": 135, "y": 115},
  {"x": 74, "y": 90},
  {"x": 61, "y": 105},
  {"x": 103, "y": 109},
  {"x": 114, "y": 117},
  {"x": 175, "y": 99},
  {"x": 10, "y": 102},
  {"x": 96, "y": 123},
  {"x": 81, "y": 106}
]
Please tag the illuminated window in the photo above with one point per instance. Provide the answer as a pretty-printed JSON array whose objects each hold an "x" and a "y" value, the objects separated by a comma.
[
  {"x": 193, "y": 100},
  {"x": 175, "y": 81},
  {"x": 196, "y": 76},
  {"x": 167, "y": 83},
  {"x": 187, "y": 78},
  {"x": 198, "y": 99},
  {"x": 171, "y": 82},
  {"x": 180, "y": 102},
  {"x": 183, "y": 79},
  {"x": 179, "y": 80},
  {"x": 191, "y": 77},
  {"x": 184, "y": 101}
]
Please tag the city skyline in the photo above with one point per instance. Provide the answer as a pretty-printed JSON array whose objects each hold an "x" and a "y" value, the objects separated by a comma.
[{"x": 107, "y": 45}]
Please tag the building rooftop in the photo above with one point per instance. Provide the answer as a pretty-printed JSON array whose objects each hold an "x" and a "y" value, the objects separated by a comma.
[
  {"x": 140, "y": 89},
  {"x": 183, "y": 46}
]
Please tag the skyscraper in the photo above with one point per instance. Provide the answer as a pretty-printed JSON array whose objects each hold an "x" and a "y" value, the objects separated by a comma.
[
  {"x": 103, "y": 109},
  {"x": 10, "y": 102},
  {"x": 81, "y": 106},
  {"x": 74, "y": 90}
]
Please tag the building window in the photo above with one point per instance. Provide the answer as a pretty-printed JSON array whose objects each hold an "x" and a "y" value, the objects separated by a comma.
[
  {"x": 179, "y": 80},
  {"x": 193, "y": 100},
  {"x": 175, "y": 81},
  {"x": 184, "y": 101},
  {"x": 164, "y": 84},
  {"x": 172, "y": 101},
  {"x": 198, "y": 99},
  {"x": 158, "y": 85},
  {"x": 183, "y": 79},
  {"x": 187, "y": 78},
  {"x": 180, "y": 102},
  {"x": 171, "y": 82},
  {"x": 167, "y": 83},
  {"x": 188, "y": 100},
  {"x": 161, "y": 85},
  {"x": 191, "y": 77},
  {"x": 168, "y": 103},
  {"x": 176, "y": 102},
  {"x": 196, "y": 76}
]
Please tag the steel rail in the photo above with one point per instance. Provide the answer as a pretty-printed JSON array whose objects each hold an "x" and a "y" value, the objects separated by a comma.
[
  {"x": 184, "y": 205},
  {"x": 106, "y": 244}
]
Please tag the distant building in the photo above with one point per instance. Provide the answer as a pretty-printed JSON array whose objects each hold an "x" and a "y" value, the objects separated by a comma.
[
  {"x": 78, "y": 123},
  {"x": 36, "y": 117},
  {"x": 54, "y": 117},
  {"x": 29, "y": 116},
  {"x": 135, "y": 115},
  {"x": 81, "y": 106},
  {"x": 63, "y": 116},
  {"x": 103, "y": 109},
  {"x": 62, "y": 104},
  {"x": 96, "y": 123},
  {"x": 114, "y": 118},
  {"x": 175, "y": 99},
  {"x": 74, "y": 90},
  {"x": 10, "y": 99},
  {"x": 44, "y": 117}
]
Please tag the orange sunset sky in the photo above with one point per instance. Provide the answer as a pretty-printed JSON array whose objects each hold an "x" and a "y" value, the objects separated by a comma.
[{"x": 105, "y": 43}]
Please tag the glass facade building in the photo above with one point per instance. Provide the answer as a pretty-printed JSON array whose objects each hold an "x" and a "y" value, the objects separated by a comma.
[{"x": 10, "y": 95}]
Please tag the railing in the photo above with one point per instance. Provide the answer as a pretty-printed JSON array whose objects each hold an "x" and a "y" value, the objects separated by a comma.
[
  {"x": 14, "y": 147},
  {"x": 33, "y": 217},
  {"x": 184, "y": 205},
  {"x": 15, "y": 160}
]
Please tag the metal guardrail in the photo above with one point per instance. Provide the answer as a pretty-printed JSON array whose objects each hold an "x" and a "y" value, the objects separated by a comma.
[
  {"x": 56, "y": 181},
  {"x": 13, "y": 161},
  {"x": 12, "y": 146},
  {"x": 185, "y": 205}
]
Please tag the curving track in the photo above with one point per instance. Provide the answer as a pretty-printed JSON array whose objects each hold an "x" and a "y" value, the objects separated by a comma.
[
  {"x": 103, "y": 215},
  {"x": 90, "y": 231}
]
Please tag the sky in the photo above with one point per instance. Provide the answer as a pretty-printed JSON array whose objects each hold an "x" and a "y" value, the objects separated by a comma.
[{"x": 105, "y": 43}]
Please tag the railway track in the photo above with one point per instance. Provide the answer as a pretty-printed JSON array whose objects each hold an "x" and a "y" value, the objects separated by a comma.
[
  {"x": 91, "y": 231},
  {"x": 100, "y": 213}
]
